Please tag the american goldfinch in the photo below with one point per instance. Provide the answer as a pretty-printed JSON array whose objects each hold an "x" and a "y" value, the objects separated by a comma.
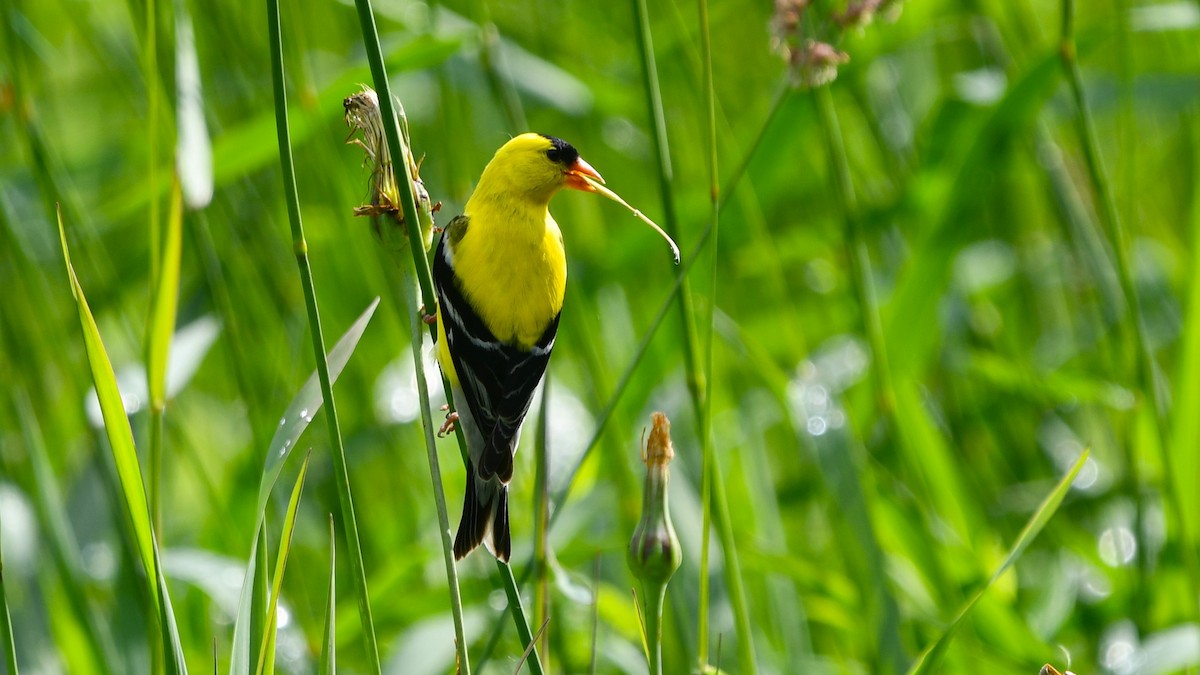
[{"x": 500, "y": 272}]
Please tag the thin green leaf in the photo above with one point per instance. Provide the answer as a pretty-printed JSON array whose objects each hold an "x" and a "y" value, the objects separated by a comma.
[
  {"x": 158, "y": 343},
  {"x": 165, "y": 303},
  {"x": 131, "y": 488},
  {"x": 930, "y": 658},
  {"x": 305, "y": 405},
  {"x": 266, "y": 665},
  {"x": 299, "y": 414},
  {"x": 328, "y": 647},
  {"x": 116, "y": 425}
]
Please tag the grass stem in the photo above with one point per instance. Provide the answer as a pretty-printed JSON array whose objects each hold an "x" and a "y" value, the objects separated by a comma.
[
  {"x": 300, "y": 248},
  {"x": 408, "y": 205}
]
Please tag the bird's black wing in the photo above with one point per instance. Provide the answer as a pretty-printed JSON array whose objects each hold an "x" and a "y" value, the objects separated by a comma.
[{"x": 497, "y": 379}]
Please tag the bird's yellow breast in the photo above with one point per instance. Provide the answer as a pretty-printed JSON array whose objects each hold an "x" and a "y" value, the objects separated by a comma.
[{"x": 512, "y": 269}]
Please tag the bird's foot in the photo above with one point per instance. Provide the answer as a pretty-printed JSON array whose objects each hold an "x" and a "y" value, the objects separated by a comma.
[
  {"x": 447, "y": 427},
  {"x": 427, "y": 318}
]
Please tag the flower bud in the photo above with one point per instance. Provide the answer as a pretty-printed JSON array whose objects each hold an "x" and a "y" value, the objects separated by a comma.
[{"x": 654, "y": 552}]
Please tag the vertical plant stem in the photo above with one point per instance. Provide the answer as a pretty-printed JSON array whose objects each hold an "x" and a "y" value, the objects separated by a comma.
[
  {"x": 541, "y": 495},
  {"x": 705, "y": 417},
  {"x": 408, "y": 204},
  {"x": 435, "y": 476},
  {"x": 662, "y": 155},
  {"x": 300, "y": 247},
  {"x": 653, "y": 598},
  {"x": 714, "y": 496},
  {"x": 1146, "y": 374}
]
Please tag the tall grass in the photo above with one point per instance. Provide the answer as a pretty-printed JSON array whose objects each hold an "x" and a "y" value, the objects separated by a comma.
[{"x": 932, "y": 284}]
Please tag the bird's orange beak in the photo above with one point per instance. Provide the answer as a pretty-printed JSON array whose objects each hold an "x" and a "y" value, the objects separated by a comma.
[{"x": 575, "y": 176}]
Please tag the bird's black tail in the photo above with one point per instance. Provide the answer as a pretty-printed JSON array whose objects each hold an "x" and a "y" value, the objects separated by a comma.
[{"x": 484, "y": 516}]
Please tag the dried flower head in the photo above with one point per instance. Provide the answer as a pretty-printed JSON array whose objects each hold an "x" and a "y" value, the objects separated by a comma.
[{"x": 363, "y": 116}]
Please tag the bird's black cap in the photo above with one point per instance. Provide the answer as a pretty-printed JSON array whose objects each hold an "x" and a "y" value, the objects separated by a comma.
[{"x": 561, "y": 151}]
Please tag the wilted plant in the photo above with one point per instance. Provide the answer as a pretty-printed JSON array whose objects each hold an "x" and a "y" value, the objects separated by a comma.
[{"x": 363, "y": 116}]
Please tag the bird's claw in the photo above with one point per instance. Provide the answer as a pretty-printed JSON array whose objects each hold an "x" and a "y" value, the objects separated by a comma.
[
  {"x": 447, "y": 427},
  {"x": 427, "y": 318}
]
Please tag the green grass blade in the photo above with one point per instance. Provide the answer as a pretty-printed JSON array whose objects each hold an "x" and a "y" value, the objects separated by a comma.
[
  {"x": 116, "y": 425},
  {"x": 161, "y": 327},
  {"x": 929, "y": 659},
  {"x": 304, "y": 406},
  {"x": 6, "y": 633},
  {"x": 131, "y": 488},
  {"x": 300, "y": 412},
  {"x": 328, "y": 664},
  {"x": 266, "y": 665}
]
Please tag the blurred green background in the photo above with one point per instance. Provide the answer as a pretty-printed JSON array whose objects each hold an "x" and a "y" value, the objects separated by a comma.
[{"x": 874, "y": 480}]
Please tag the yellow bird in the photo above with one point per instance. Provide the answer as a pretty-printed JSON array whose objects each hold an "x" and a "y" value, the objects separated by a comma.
[{"x": 500, "y": 272}]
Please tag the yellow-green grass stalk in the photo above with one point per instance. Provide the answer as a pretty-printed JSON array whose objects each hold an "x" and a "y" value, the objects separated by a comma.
[
  {"x": 662, "y": 156},
  {"x": 1186, "y": 427},
  {"x": 491, "y": 62},
  {"x": 160, "y": 328},
  {"x": 1146, "y": 371},
  {"x": 541, "y": 508},
  {"x": 300, "y": 249}
]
